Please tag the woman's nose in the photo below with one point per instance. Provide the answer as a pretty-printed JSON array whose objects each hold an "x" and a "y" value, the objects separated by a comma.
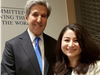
[{"x": 70, "y": 44}]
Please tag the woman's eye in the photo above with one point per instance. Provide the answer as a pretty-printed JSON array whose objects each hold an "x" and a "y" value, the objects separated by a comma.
[
  {"x": 76, "y": 40},
  {"x": 66, "y": 40}
]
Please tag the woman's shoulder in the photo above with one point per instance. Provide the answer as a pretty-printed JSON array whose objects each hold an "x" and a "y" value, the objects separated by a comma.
[
  {"x": 97, "y": 68},
  {"x": 98, "y": 63},
  {"x": 94, "y": 69}
]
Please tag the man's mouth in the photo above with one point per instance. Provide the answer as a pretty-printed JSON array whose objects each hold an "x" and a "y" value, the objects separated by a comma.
[{"x": 38, "y": 25}]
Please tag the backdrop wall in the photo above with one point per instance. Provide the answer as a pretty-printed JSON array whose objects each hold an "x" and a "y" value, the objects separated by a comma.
[{"x": 13, "y": 22}]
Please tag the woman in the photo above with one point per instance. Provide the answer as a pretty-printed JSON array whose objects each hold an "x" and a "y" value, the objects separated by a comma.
[{"x": 76, "y": 53}]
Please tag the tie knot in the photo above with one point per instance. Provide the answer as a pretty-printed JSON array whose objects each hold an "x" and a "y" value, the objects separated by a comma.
[{"x": 37, "y": 39}]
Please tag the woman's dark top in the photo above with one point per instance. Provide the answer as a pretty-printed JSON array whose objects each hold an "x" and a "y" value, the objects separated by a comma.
[{"x": 69, "y": 71}]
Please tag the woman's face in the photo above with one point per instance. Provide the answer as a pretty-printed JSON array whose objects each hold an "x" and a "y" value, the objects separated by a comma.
[{"x": 69, "y": 44}]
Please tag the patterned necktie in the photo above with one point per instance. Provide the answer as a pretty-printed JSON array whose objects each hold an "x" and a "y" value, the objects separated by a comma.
[{"x": 38, "y": 52}]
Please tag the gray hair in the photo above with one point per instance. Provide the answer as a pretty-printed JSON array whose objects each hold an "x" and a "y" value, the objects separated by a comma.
[{"x": 31, "y": 3}]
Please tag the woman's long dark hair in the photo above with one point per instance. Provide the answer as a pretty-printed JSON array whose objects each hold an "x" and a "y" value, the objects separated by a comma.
[{"x": 89, "y": 55}]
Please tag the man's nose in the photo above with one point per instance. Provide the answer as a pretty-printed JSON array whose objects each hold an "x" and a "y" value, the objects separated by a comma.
[{"x": 39, "y": 19}]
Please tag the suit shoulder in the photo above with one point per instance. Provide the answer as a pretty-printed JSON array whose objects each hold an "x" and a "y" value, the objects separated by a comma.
[
  {"x": 16, "y": 38},
  {"x": 48, "y": 37}
]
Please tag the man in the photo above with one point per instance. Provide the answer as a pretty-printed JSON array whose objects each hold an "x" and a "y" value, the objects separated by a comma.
[{"x": 19, "y": 56}]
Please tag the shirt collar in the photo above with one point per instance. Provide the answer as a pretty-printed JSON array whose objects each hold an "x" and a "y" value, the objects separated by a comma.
[{"x": 32, "y": 36}]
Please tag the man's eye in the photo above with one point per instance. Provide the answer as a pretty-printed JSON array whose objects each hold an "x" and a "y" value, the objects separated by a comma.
[
  {"x": 35, "y": 14},
  {"x": 44, "y": 16}
]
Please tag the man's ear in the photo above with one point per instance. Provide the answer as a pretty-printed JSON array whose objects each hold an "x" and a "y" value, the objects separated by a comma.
[{"x": 26, "y": 17}]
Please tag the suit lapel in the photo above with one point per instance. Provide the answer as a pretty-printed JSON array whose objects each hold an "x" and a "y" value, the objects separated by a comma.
[
  {"x": 28, "y": 47},
  {"x": 46, "y": 66},
  {"x": 49, "y": 60}
]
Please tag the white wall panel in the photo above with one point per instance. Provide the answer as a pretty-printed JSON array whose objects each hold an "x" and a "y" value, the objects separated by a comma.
[{"x": 57, "y": 20}]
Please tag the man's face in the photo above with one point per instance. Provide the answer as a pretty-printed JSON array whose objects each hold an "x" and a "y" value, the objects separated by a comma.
[{"x": 37, "y": 19}]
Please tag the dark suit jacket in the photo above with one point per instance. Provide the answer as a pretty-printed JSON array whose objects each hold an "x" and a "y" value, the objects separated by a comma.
[{"x": 19, "y": 57}]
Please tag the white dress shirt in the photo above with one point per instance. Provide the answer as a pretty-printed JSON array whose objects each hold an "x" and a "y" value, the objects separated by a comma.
[{"x": 41, "y": 45}]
